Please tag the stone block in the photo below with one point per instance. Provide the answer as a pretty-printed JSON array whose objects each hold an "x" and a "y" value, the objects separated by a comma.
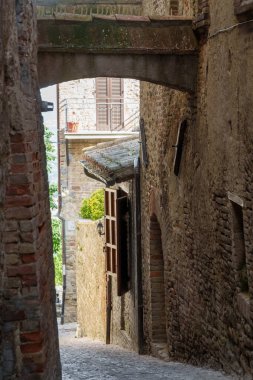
[{"x": 26, "y": 225}]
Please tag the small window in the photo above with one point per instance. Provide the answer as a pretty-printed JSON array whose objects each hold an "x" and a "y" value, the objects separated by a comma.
[
  {"x": 179, "y": 146},
  {"x": 239, "y": 247},
  {"x": 201, "y": 21},
  {"x": 174, "y": 7},
  {"x": 243, "y": 8}
]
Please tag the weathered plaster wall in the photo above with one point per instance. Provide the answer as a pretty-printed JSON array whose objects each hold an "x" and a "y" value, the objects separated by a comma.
[
  {"x": 90, "y": 281},
  {"x": 29, "y": 340},
  {"x": 207, "y": 321}
]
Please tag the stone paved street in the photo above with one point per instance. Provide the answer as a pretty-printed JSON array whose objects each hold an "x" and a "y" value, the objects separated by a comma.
[{"x": 83, "y": 358}]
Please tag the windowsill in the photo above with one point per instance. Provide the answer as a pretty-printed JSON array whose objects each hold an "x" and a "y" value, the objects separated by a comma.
[
  {"x": 98, "y": 135},
  {"x": 243, "y": 301}
]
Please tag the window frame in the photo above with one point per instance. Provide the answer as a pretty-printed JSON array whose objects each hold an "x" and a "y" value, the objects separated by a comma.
[
  {"x": 110, "y": 102},
  {"x": 116, "y": 253},
  {"x": 243, "y": 8}
]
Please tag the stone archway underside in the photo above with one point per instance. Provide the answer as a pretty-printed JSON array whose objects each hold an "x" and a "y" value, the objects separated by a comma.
[{"x": 162, "y": 51}]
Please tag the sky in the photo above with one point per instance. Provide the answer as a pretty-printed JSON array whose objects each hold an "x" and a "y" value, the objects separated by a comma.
[{"x": 50, "y": 120}]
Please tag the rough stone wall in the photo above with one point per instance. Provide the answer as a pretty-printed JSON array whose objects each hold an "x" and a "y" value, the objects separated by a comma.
[
  {"x": 123, "y": 327},
  {"x": 91, "y": 281},
  {"x": 209, "y": 318},
  {"x": 29, "y": 340}
]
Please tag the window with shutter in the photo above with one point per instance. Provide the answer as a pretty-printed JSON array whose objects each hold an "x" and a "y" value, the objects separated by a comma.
[
  {"x": 174, "y": 7},
  {"x": 109, "y": 100},
  {"x": 179, "y": 146},
  {"x": 117, "y": 237},
  {"x": 244, "y": 8}
]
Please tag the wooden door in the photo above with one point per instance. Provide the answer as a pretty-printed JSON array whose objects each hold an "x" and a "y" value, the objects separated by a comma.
[{"x": 117, "y": 237}]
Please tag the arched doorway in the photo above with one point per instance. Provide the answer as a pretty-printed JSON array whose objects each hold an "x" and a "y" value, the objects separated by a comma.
[{"x": 158, "y": 310}]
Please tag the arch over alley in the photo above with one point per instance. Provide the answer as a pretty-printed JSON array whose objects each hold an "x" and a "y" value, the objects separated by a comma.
[{"x": 153, "y": 49}]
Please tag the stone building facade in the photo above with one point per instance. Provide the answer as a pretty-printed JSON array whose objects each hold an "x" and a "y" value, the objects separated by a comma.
[
  {"x": 196, "y": 201},
  {"x": 94, "y": 287},
  {"x": 78, "y": 105},
  {"x": 109, "y": 290},
  {"x": 28, "y": 337},
  {"x": 197, "y": 221}
]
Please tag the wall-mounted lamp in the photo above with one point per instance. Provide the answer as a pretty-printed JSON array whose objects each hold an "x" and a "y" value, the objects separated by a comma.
[
  {"x": 47, "y": 106},
  {"x": 100, "y": 228}
]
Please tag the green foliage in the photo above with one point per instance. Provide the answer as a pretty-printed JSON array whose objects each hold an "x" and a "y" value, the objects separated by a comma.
[
  {"x": 57, "y": 249},
  {"x": 52, "y": 190},
  {"x": 85, "y": 211},
  {"x": 93, "y": 207},
  {"x": 50, "y": 149},
  {"x": 51, "y": 156},
  {"x": 56, "y": 223}
]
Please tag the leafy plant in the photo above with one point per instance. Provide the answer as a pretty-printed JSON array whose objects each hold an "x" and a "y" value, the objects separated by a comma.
[
  {"x": 93, "y": 207},
  {"x": 52, "y": 191},
  {"x": 50, "y": 149},
  {"x": 57, "y": 249},
  {"x": 50, "y": 155},
  {"x": 56, "y": 223}
]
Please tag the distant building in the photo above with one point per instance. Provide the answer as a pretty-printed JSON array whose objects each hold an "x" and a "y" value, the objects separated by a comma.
[{"x": 90, "y": 111}]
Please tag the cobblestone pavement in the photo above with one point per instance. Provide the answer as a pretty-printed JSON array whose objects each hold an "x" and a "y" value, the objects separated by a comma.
[{"x": 84, "y": 358}]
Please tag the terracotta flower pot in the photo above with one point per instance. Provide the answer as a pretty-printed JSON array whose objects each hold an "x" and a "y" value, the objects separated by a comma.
[{"x": 72, "y": 126}]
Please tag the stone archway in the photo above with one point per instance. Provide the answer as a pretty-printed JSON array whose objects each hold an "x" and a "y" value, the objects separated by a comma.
[{"x": 162, "y": 51}]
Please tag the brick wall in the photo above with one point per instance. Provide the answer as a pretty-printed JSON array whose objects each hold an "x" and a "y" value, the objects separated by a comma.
[
  {"x": 208, "y": 317},
  {"x": 29, "y": 333}
]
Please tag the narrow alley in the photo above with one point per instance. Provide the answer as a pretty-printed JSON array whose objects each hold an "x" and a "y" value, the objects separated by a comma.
[{"x": 83, "y": 358}]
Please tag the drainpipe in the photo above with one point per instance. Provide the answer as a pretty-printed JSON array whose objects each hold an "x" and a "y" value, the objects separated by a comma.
[
  {"x": 108, "y": 308},
  {"x": 60, "y": 208},
  {"x": 138, "y": 252},
  {"x": 63, "y": 270}
]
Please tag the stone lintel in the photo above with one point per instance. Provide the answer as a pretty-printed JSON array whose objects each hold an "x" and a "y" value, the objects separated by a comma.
[{"x": 123, "y": 35}]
